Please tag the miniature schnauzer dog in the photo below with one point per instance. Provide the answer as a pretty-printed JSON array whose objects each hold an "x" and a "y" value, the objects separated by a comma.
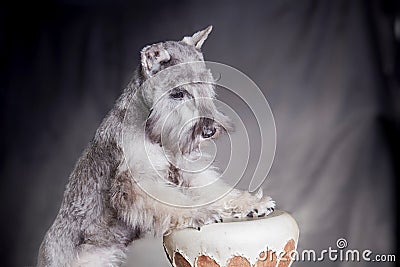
[{"x": 136, "y": 165}]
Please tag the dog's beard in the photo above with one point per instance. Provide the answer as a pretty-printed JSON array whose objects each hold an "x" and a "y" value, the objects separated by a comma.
[{"x": 172, "y": 137}]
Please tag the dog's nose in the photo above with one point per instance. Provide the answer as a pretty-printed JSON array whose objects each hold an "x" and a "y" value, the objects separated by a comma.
[{"x": 208, "y": 132}]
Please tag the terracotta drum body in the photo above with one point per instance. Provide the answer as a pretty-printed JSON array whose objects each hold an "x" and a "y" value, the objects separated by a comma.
[{"x": 253, "y": 242}]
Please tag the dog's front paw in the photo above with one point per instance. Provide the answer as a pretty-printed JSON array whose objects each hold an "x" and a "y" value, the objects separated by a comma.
[
  {"x": 205, "y": 217},
  {"x": 263, "y": 208},
  {"x": 254, "y": 206},
  {"x": 260, "y": 210}
]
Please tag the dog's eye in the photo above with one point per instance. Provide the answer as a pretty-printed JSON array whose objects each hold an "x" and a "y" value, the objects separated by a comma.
[{"x": 177, "y": 94}]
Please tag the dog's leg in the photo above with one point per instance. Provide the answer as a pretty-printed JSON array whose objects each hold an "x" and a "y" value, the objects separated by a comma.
[
  {"x": 236, "y": 203},
  {"x": 139, "y": 210},
  {"x": 93, "y": 256},
  {"x": 58, "y": 248}
]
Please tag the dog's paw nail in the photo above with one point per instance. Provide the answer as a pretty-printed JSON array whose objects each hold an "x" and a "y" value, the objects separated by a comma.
[
  {"x": 236, "y": 215},
  {"x": 255, "y": 210},
  {"x": 261, "y": 215},
  {"x": 250, "y": 214},
  {"x": 218, "y": 220},
  {"x": 270, "y": 209},
  {"x": 198, "y": 228}
]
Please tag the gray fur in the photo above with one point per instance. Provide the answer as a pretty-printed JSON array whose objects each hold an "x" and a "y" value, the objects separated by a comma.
[{"x": 104, "y": 208}]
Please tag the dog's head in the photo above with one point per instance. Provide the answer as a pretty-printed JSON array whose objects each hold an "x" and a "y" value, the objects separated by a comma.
[{"x": 179, "y": 92}]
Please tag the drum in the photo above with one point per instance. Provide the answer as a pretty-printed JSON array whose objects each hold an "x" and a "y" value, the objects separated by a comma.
[{"x": 250, "y": 242}]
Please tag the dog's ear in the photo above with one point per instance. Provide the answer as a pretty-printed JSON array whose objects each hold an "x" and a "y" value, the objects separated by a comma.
[
  {"x": 152, "y": 56},
  {"x": 198, "y": 38}
]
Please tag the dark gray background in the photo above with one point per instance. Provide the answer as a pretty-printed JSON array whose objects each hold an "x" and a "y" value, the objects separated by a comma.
[{"x": 328, "y": 69}]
